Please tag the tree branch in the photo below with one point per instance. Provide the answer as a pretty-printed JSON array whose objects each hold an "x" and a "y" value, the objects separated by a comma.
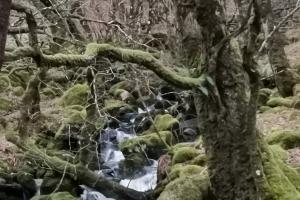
[{"x": 93, "y": 51}]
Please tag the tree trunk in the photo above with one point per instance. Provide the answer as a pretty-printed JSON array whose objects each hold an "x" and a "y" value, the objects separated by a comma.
[
  {"x": 4, "y": 21},
  {"x": 284, "y": 77},
  {"x": 227, "y": 114}
]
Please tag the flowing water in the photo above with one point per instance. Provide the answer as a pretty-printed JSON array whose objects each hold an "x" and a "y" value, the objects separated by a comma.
[{"x": 111, "y": 156}]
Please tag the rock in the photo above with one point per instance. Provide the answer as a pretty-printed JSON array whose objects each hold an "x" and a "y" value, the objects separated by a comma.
[
  {"x": 169, "y": 93},
  {"x": 189, "y": 182},
  {"x": 116, "y": 107},
  {"x": 26, "y": 180},
  {"x": 184, "y": 154},
  {"x": 133, "y": 163},
  {"x": 5, "y": 104},
  {"x": 150, "y": 144},
  {"x": 56, "y": 196},
  {"x": 18, "y": 91},
  {"x": 76, "y": 95},
  {"x": 263, "y": 96},
  {"x": 4, "y": 83},
  {"x": 279, "y": 101},
  {"x": 163, "y": 123},
  {"x": 51, "y": 183},
  {"x": 296, "y": 90}
]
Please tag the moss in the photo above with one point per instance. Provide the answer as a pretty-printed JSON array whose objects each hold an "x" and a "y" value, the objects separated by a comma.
[
  {"x": 286, "y": 139},
  {"x": 263, "y": 109},
  {"x": 123, "y": 85},
  {"x": 4, "y": 83},
  {"x": 76, "y": 95},
  {"x": 18, "y": 91},
  {"x": 184, "y": 154},
  {"x": 180, "y": 170},
  {"x": 112, "y": 104},
  {"x": 74, "y": 114},
  {"x": 49, "y": 92},
  {"x": 192, "y": 184},
  {"x": 5, "y": 104},
  {"x": 278, "y": 101},
  {"x": 263, "y": 96},
  {"x": 150, "y": 143},
  {"x": 281, "y": 180},
  {"x": 163, "y": 123}
]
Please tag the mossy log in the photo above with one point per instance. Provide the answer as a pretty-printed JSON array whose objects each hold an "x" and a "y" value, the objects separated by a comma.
[
  {"x": 94, "y": 51},
  {"x": 79, "y": 173}
]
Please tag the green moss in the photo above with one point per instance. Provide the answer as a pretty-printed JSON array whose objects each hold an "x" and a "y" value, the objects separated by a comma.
[
  {"x": 4, "y": 83},
  {"x": 76, "y": 95},
  {"x": 184, "y": 154},
  {"x": 18, "y": 91},
  {"x": 5, "y": 104},
  {"x": 263, "y": 109},
  {"x": 74, "y": 116},
  {"x": 150, "y": 143},
  {"x": 263, "y": 96},
  {"x": 286, "y": 139},
  {"x": 49, "y": 92},
  {"x": 112, "y": 104},
  {"x": 296, "y": 90},
  {"x": 192, "y": 184},
  {"x": 163, "y": 123},
  {"x": 121, "y": 86},
  {"x": 282, "y": 182},
  {"x": 278, "y": 101}
]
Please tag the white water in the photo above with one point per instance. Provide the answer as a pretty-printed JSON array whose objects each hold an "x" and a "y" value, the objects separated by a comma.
[
  {"x": 112, "y": 156},
  {"x": 145, "y": 182}
]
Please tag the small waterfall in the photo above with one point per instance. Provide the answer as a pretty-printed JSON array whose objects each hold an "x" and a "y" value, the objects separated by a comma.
[{"x": 111, "y": 157}]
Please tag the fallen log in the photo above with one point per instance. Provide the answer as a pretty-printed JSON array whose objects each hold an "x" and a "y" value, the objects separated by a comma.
[{"x": 79, "y": 173}]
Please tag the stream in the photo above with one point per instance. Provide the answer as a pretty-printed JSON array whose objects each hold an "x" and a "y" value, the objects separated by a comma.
[{"x": 111, "y": 156}]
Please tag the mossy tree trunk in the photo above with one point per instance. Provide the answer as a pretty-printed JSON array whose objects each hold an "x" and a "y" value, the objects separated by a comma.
[
  {"x": 284, "y": 77},
  {"x": 4, "y": 20},
  {"x": 227, "y": 113}
]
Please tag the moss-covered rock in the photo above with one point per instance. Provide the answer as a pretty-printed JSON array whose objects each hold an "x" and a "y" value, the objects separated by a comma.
[
  {"x": 281, "y": 181},
  {"x": 278, "y": 101},
  {"x": 286, "y": 139},
  {"x": 18, "y": 91},
  {"x": 74, "y": 114},
  {"x": 191, "y": 183},
  {"x": 263, "y": 109},
  {"x": 121, "y": 86},
  {"x": 76, "y": 95},
  {"x": 4, "y": 83},
  {"x": 163, "y": 123},
  {"x": 184, "y": 154},
  {"x": 20, "y": 78},
  {"x": 56, "y": 196},
  {"x": 151, "y": 144},
  {"x": 263, "y": 96},
  {"x": 116, "y": 107},
  {"x": 5, "y": 104},
  {"x": 51, "y": 183}
]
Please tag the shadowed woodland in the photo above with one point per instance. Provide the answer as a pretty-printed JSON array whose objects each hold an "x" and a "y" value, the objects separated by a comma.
[{"x": 149, "y": 99}]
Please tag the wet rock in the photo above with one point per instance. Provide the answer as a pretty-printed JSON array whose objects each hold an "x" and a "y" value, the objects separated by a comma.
[
  {"x": 26, "y": 180},
  {"x": 50, "y": 184},
  {"x": 151, "y": 144},
  {"x": 169, "y": 93},
  {"x": 56, "y": 196},
  {"x": 11, "y": 191}
]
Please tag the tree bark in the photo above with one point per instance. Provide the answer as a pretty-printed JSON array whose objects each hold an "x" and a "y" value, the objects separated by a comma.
[
  {"x": 4, "y": 22},
  {"x": 227, "y": 114},
  {"x": 284, "y": 77}
]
